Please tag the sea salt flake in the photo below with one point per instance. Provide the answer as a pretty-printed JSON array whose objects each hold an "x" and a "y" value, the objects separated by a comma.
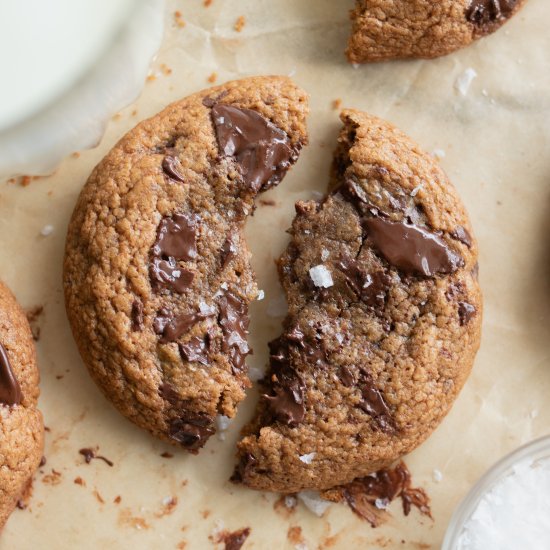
[
  {"x": 437, "y": 476},
  {"x": 313, "y": 502},
  {"x": 415, "y": 191},
  {"x": 381, "y": 503},
  {"x": 324, "y": 254},
  {"x": 261, "y": 295},
  {"x": 290, "y": 502},
  {"x": 439, "y": 153},
  {"x": 321, "y": 276},
  {"x": 464, "y": 81},
  {"x": 308, "y": 459},
  {"x": 47, "y": 230}
]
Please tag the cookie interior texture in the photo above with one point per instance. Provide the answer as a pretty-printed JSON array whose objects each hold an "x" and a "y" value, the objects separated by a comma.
[
  {"x": 157, "y": 277},
  {"x": 396, "y": 29},
  {"x": 384, "y": 318},
  {"x": 21, "y": 424}
]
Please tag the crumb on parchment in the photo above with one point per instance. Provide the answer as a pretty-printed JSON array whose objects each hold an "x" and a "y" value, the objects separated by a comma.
[{"x": 240, "y": 23}]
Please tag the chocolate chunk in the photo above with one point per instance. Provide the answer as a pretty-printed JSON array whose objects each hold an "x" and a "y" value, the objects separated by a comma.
[
  {"x": 461, "y": 234},
  {"x": 176, "y": 238},
  {"x": 372, "y": 288},
  {"x": 136, "y": 315},
  {"x": 346, "y": 376},
  {"x": 374, "y": 404},
  {"x": 172, "y": 168},
  {"x": 191, "y": 432},
  {"x": 229, "y": 249},
  {"x": 286, "y": 403},
  {"x": 235, "y": 539},
  {"x": 167, "y": 274},
  {"x": 411, "y": 248},
  {"x": 196, "y": 349},
  {"x": 10, "y": 391},
  {"x": 261, "y": 150},
  {"x": 234, "y": 319},
  {"x": 483, "y": 12},
  {"x": 243, "y": 467},
  {"x": 465, "y": 312},
  {"x": 313, "y": 351},
  {"x": 368, "y": 494},
  {"x": 90, "y": 454},
  {"x": 356, "y": 195},
  {"x": 171, "y": 328}
]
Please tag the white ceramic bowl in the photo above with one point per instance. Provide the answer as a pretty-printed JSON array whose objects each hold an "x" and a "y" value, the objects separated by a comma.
[
  {"x": 532, "y": 452},
  {"x": 69, "y": 65}
]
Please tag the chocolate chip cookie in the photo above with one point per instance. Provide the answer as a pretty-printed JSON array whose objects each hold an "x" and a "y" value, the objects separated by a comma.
[
  {"x": 394, "y": 29},
  {"x": 384, "y": 318},
  {"x": 157, "y": 277},
  {"x": 21, "y": 425}
]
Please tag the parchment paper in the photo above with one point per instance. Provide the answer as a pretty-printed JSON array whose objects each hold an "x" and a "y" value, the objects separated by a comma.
[{"x": 497, "y": 144}]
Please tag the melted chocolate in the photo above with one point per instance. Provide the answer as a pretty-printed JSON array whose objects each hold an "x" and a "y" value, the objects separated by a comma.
[
  {"x": 261, "y": 150},
  {"x": 465, "y": 312},
  {"x": 314, "y": 352},
  {"x": 167, "y": 274},
  {"x": 286, "y": 402},
  {"x": 229, "y": 249},
  {"x": 367, "y": 494},
  {"x": 171, "y": 328},
  {"x": 374, "y": 405},
  {"x": 246, "y": 463},
  {"x": 372, "y": 288},
  {"x": 234, "y": 319},
  {"x": 461, "y": 234},
  {"x": 235, "y": 539},
  {"x": 176, "y": 238},
  {"x": 136, "y": 315},
  {"x": 483, "y": 12},
  {"x": 196, "y": 349},
  {"x": 171, "y": 167},
  {"x": 346, "y": 376},
  {"x": 10, "y": 391},
  {"x": 90, "y": 454},
  {"x": 411, "y": 248},
  {"x": 191, "y": 431}
]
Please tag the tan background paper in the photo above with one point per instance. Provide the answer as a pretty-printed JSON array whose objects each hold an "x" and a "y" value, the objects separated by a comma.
[{"x": 497, "y": 145}]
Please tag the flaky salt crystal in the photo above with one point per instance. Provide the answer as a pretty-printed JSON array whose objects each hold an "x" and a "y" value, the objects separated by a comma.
[
  {"x": 313, "y": 502},
  {"x": 308, "y": 459},
  {"x": 47, "y": 230},
  {"x": 321, "y": 276},
  {"x": 437, "y": 476},
  {"x": 464, "y": 81}
]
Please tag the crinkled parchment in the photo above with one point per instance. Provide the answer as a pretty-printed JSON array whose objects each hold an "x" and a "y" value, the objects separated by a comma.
[{"x": 496, "y": 144}]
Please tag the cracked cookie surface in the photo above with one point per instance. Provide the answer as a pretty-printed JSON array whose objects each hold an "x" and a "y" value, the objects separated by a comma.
[
  {"x": 157, "y": 277},
  {"x": 388, "y": 29},
  {"x": 384, "y": 318},
  {"x": 21, "y": 424}
]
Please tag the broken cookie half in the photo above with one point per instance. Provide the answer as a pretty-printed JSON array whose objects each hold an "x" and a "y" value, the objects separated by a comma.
[
  {"x": 384, "y": 318},
  {"x": 157, "y": 276},
  {"x": 397, "y": 29}
]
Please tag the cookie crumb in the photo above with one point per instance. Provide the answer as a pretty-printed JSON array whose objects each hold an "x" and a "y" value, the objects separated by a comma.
[
  {"x": 321, "y": 276},
  {"x": 76, "y": 155},
  {"x": 178, "y": 18},
  {"x": 79, "y": 481},
  {"x": 166, "y": 454},
  {"x": 165, "y": 69},
  {"x": 240, "y": 23},
  {"x": 168, "y": 506},
  {"x": 117, "y": 499},
  {"x": 207, "y": 3},
  {"x": 33, "y": 315},
  {"x": 336, "y": 104},
  {"x": 464, "y": 81},
  {"x": 212, "y": 78}
]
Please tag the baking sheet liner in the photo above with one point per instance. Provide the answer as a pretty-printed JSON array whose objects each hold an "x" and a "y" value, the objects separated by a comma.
[{"x": 496, "y": 141}]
